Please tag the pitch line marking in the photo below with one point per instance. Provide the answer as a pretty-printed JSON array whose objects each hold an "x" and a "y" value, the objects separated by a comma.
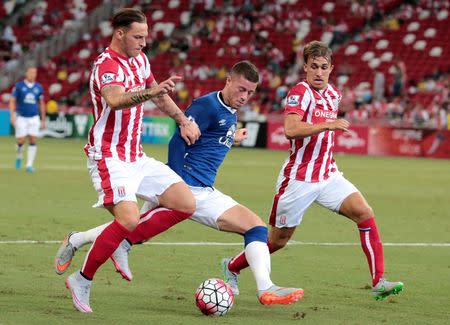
[
  {"x": 292, "y": 243},
  {"x": 82, "y": 166}
]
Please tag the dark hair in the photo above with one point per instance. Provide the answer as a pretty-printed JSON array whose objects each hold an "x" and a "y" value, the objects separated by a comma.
[
  {"x": 317, "y": 49},
  {"x": 246, "y": 69},
  {"x": 126, "y": 16}
]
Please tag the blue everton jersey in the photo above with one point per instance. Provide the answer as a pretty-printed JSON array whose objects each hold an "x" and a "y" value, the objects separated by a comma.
[
  {"x": 197, "y": 164},
  {"x": 27, "y": 98}
]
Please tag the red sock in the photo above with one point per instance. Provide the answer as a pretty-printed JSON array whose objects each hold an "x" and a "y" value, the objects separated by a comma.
[
  {"x": 102, "y": 248},
  {"x": 239, "y": 262},
  {"x": 372, "y": 247},
  {"x": 154, "y": 222}
]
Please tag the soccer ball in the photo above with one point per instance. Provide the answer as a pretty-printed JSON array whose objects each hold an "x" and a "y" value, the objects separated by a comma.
[{"x": 214, "y": 297}]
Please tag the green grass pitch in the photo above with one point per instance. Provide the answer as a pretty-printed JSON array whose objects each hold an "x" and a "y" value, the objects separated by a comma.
[{"x": 410, "y": 197}]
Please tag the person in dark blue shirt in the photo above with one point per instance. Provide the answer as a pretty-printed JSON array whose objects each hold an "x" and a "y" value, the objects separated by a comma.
[
  {"x": 197, "y": 164},
  {"x": 25, "y": 106}
]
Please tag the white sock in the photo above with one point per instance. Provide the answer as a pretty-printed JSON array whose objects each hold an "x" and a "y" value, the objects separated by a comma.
[
  {"x": 258, "y": 258},
  {"x": 79, "y": 239},
  {"x": 19, "y": 151},
  {"x": 31, "y": 154}
]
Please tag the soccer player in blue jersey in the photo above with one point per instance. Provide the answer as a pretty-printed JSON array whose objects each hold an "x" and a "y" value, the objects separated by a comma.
[
  {"x": 197, "y": 164},
  {"x": 25, "y": 106}
]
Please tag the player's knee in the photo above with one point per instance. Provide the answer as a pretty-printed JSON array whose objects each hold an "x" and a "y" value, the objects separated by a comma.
[
  {"x": 363, "y": 213},
  {"x": 258, "y": 233},
  {"x": 126, "y": 214},
  {"x": 129, "y": 223},
  {"x": 187, "y": 206}
]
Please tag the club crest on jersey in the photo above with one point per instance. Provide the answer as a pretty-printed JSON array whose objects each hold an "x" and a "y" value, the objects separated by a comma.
[
  {"x": 107, "y": 78},
  {"x": 121, "y": 191},
  {"x": 228, "y": 139},
  {"x": 293, "y": 100},
  {"x": 335, "y": 102}
]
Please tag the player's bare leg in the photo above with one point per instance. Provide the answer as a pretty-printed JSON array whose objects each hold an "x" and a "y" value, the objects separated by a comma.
[{"x": 279, "y": 237}]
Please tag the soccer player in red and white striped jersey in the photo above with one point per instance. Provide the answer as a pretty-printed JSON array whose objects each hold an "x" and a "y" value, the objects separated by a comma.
[
  {"x": 310, "y": 173},
  {"x": 121, "y": 80}
]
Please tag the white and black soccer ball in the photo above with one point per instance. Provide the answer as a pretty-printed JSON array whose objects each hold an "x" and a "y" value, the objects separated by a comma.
[{"x": 214, "y": 297}]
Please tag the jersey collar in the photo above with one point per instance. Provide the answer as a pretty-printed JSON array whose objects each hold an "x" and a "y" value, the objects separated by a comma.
[
  {"x": 321, "y": 91},
  {"x": 29, "y": 84},
  {"x": 229, "y": 108},
  {"x": 120, "y": 56}
]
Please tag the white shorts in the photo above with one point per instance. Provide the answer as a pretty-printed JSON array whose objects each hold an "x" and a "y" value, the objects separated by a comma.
[
  {"x": 210, "y": 205},
  {"x": 27, "y": 126},
  {"x": 116, "y": 180},
  {"x": 294, "y": 197}
]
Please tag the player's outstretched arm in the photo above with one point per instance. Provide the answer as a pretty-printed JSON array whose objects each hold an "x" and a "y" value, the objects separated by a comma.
[
  {"x": 189, "y": 130},
  {"x": 117, "y": 98},
  {"x": 295, "y": 128}
]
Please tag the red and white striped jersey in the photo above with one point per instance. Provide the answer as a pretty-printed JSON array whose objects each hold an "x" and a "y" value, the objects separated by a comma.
[
  {"x": 311, "y": 158},
  {"x": 117, "y": 133}
]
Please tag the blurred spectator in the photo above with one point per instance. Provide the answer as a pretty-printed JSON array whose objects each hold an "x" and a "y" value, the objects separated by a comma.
[
  {"x": 340, "y": 31},
  {"x": 444, "y": 116},
  {"x": 183, "y": 95},
  {"x": 394, "y": 110},
  {"x": 8, "y": 34},
  {"x": 61, "y": 75},
  {"x": 52, "y": 106},
  {"x": 348, "y": 99},
  {"x": 391, "y": 23},
  {"x": 378, "y": 85},
  {"x": 221, "y": 73},
  {"x": 379, "y": 110},
  {"x": 399, "y": 72},
  {"x": 419, "y": 116},
  {"x": 358, "y": 115}
]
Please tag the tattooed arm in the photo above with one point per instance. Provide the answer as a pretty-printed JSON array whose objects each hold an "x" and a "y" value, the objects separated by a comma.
[{"x": 116, "y": 97}]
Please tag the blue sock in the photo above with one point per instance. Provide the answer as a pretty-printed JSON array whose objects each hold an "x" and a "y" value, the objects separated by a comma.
[{"x": 258, "y": 233}]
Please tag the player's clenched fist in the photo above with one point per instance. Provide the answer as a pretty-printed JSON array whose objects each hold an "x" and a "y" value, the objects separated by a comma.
[{"x": 240, "y": 135}]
